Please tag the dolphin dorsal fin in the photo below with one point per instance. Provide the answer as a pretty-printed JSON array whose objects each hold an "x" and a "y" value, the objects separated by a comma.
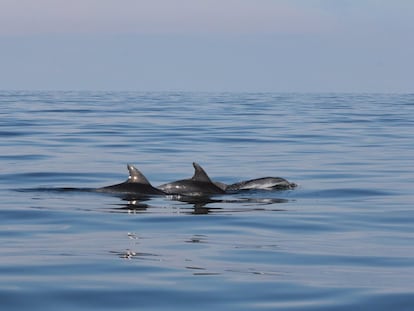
[
  {"x": 200, "y": 174},
  {"x": 135, "y": 176}
]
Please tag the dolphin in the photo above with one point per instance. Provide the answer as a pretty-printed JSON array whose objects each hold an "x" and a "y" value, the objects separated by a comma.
[
  {"x": 136, "y": 184},
  {"x": 198, "y": 185},
  {"x": 264, "y": 183}
]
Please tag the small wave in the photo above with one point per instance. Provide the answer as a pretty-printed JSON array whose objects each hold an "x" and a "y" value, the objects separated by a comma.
[
  {"x": 51, "y": 189},
  {"x": 344, "y": 193},
  {"x": 24, "y": 157}
]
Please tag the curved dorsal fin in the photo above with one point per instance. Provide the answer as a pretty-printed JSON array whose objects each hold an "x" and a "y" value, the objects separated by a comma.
[
  {"x": 135, "y": 176},
  {"x": 200, "y": 174}
]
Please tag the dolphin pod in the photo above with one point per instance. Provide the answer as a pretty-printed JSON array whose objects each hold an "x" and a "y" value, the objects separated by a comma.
[{"x": 199, "y": 184}]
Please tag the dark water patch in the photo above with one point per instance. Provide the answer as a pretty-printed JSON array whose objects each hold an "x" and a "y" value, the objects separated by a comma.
[
  {"x": 20, "y": 133},
  {"x": 326, "y": 259},
  {"x": 35, "y": 177},
  {"x": 345, "y": 193},
  {"x": 11, "y": 133},
  {"x": 65, "y": 111},
  {"x": 55, "y": 189},
  {"x": 277, "y": 295},
  {"x": 109, "y": 300},
  {"x": 253, "y": 140},
  {"x": 58, "y": 177},
  {"x": 24, "y": 157},
  {"x": 73, "y": 138}
]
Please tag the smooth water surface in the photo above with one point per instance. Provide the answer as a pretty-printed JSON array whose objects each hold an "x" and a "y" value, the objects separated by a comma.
[{"x": 342, "y": 240}]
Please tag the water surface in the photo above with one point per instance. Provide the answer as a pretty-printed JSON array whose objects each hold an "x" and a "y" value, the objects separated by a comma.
[{"x": 342, "y": 240}]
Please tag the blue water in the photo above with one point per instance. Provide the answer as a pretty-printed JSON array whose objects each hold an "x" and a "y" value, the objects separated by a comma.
[{"x": 342, "y": 240}]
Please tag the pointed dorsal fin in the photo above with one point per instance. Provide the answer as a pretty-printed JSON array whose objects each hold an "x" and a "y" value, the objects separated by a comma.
[
  {"x": 135, "y": 176},
  {"x": 200, "y": 174}
]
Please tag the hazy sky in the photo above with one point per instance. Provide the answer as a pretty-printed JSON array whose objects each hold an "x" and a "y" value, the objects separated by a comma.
[{"x": 208, "y": 45}]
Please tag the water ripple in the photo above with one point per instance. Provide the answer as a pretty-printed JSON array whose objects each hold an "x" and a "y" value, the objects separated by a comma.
[{"x": 341, "y": 240}]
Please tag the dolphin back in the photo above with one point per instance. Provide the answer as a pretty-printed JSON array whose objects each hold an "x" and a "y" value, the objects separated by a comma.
[
  {"x": 136, "y": 183},
  {"x": 198, "y": 185},
  {"x": 264, "y": 183}
]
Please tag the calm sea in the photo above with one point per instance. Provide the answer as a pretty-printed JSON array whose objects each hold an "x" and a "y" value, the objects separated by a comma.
[{"x": 342, "y": 240}]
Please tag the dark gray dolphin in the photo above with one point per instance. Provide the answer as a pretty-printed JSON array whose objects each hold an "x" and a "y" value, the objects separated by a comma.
[
  {"x": 136, "y": 184},
  {"x": 198, "y": 185},
  {"x": 264, "y": 183}
]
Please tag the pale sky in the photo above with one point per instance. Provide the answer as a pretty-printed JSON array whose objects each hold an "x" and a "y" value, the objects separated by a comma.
[{"x": 210, "y": 45}]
